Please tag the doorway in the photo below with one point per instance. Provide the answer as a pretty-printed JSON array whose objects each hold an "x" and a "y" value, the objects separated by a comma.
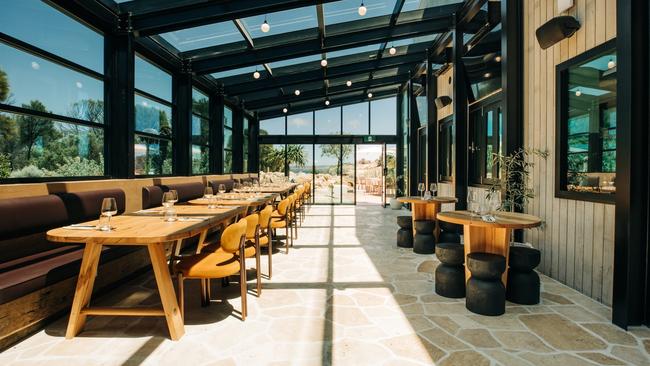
[{"x": 370, "y": 174}]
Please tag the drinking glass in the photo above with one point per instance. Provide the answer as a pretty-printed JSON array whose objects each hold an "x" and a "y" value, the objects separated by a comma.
[
  {"x": 222, "y": 188},
  {"x": 174, "y": 196},
  {"x": 471, "y": 201},
  {"x": 433, "y": 187},
  {"x": 210, "y": 197},
  {"x": 168, "y": 199},
  {"x": 421, "y": 188},
  {"x": 109, "y": 208}
]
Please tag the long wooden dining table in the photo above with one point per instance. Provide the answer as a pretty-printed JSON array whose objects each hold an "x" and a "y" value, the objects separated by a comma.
[
  {"x": 282, "y": 190},
  {"x": 250, "y": 200},
  {"x": 140, "y": 228}
]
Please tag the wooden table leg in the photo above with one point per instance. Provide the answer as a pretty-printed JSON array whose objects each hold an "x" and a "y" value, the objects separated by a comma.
[
  {"x": 487, "y": 240},
  {"x": 166, "y": 290},
  {"x": 85, "y": 283}
]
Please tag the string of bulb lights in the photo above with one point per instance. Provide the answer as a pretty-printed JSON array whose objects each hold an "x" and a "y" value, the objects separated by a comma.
[{"x": 265, "y": 27}]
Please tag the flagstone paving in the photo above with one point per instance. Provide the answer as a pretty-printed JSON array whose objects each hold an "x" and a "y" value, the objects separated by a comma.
[{"x": 344, "y": 295}]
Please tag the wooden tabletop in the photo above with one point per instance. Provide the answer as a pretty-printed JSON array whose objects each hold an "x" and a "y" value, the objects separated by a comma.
[
  {"x": 417, "y": 199},
  {"x": 148, "y": 226},
  {"x": 240, "y": 200},
  {"x": 509, "y": 220},
  {"x": 278, "y": 189}
]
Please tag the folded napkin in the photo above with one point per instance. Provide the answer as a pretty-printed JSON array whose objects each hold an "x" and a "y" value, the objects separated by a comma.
[
  {"x": 185, "y": 218},
  {"x": 80, "y": 227}
]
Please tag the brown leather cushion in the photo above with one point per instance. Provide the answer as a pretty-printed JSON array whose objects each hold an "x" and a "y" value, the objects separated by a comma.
[
  {"x": 26, "y": 215},
  {"x": 186, "y": 191},
  {"x": 84, "y": 206},
  {"x": 52, "y": 267},
  {"x": 151, "y": 196},
  {"x": 229, "y": 183}
]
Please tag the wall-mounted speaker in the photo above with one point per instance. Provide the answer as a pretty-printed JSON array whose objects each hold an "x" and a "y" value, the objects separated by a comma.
[
  {"x": 556, "y": 30},
  {"x": 442, "y": 101}
]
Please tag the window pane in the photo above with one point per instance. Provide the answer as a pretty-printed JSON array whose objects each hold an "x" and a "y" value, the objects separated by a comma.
[
  {"x": 36, "y": 23},
  {"x": 273, "y": 126},
  {"x": 300, "y": 124},
  {"x": 227, "y": 161},
  {"x": 383, "y": 114},
  {"x": 299, "y": 158},
  {"x": 272, "y": 159},
  {"x": 200, "y": 131},
  {"x": 38, "y": 84},
  {"x": 327, "y": 172},
  {"x": 355, "y": 119},
  {"x": 153, "y": 80},
  {"x": 200, "y": 103},
  {"x": 152, "y": 117},
  {"x": 227, "y": 138},
  {"x": 328, "y": 121},
  {"x": 227, "y": 117},
  {"x": 590, "y": 127},
  {"x": 245, "y": 136},
  {"x": 152, "y": 156},
  {"x": 35, "y": 147},
  {"x": 200, "y": 159}
]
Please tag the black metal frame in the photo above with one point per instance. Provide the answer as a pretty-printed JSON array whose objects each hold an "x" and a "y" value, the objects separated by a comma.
[
  {"x": 447, "y": 122},
  {"x": 208, "y": 145},
  {"x": 476, "y": 176},
  {"x": 561, "y": 126}
]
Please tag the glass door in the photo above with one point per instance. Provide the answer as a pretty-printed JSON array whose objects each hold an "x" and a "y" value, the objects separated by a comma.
[{"x": 370, "y": 163}]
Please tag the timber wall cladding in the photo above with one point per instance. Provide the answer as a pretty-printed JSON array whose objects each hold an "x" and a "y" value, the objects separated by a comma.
[{"x": 577, "y": 242}]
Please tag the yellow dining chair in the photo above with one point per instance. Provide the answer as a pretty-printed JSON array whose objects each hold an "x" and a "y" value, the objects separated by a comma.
[
  {"x": 280, "y": 219},
  {"x": 219, "y": 264},
  {"x": 266, "y": 234}
]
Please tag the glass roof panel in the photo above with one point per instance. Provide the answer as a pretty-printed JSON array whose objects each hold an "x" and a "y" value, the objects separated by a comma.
[
  {"x": 348, "y": 10},
  {"x": 351, "y": 51},
  {"x": 282, "y": 22},
  {"x": 296, "y": 61},
  {"x": 410, "y": 5},
  {"x": 203, "y": 36},
  {"x": 243, "y": 71},
  {"x": 410, "y": 41}
]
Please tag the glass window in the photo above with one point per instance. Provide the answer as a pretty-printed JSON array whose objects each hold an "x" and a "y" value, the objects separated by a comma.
[
  {"x": 203, "y": 36},
  {"x": 299, "y": 159},
  {"x": 300, "y": 124},
  {"x": 383, "y": 115},
  {"x": 38, "y": 147},
  {"x": 355, "y": 119},
  {"x": 227, "y": 117},
  {"x": 227, "y": 140},
  {"x": 245, "y": 138},
  {"x": 152, "y": 156},
  {"x": 285, "y": 21},
  {"x": 486, "y": 141},
  {"x": 200, "y": 133},
  {"x": 152, "y": 80},
  {"x": 35, "y": 83},
  {"x": 200, "y": 159},
  {"x": 328, "y": 121},
  {"x": 588, "y": 124},
  {"x": 446, "y": 149},
  {"x": 38, "y": 24},
  {"x": 273, "y": 126},
  {"x": 152, "y": 117},
  {"x": 272, "y": 159},
  {"x": 200, "y": 103}
]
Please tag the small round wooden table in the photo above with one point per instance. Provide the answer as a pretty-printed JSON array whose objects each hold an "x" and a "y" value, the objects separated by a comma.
[
  {"x": 489, "y": 237},
  {"x": 426, "y": 209}
]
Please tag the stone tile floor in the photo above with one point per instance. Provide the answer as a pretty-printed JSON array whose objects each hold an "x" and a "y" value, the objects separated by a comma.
[{"x": 345, "y": 295}]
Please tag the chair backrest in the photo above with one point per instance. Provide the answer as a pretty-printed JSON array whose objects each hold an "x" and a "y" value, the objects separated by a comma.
[
  {"x": 265, "y": 216},
  {"x": 283, "y": 206},
  {"x": 231, "y": 236},
  {"x": 251, "y": 224}
]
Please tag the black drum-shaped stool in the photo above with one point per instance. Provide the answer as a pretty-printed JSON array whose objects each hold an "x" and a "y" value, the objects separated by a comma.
[
  {"x": 450, "y": 274},
  {"x": 405, "y": 232},
  {"x": 450, "y": 233},
  {"x": 485, "y": 292},
  {"x": 423, "y": 241},
  {"x": 523, "y": 281}
]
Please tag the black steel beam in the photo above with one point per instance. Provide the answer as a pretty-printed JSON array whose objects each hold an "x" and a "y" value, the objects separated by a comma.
[
  {"x": 182, "y": 110},
  {"x": 316, "y": 74},
  {"x": 203, "y": 63},
  {"x": 321, "y": 95},
  {"x": 97, "y": 14},
  {"x": 512, "y": 74},
  {"x": 460, "y": 118},
  {"x": 338, "y": 101},
  {"x": 156, "y": 16},
  {"x": 631, "y": 286}
]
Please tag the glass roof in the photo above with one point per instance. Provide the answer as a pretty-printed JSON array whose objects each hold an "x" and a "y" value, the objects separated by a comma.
[
  {"x": 282, "y": 22},
  {"x": 204, "y": 36},
  {"x": 355, "y": 50},
  {"x": 295, "y": 61},
  {"x": 244, "y": 71},
  {"x": 410, "y": 5},
  {"x": 348, "y": 10}
]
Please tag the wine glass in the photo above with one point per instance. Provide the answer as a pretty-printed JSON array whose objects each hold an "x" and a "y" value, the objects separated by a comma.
[
  {"x": 222, "y": 188},
  {"x": 168, "y": 199},
  {"x": 433, "y": 187},
  {"x": 109, "y": 208},
  {"x": 471, "y": 200},
  {"x": 210, "y": 197},
  {"x": 174, "y": 196},
  {"x": 421, "y": 188}
]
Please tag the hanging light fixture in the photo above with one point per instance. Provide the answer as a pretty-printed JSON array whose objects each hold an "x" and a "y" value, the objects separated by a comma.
[
  {"x": 369, "y": 95},
  {"x": 487, "y": 75},
  {"x": 297, "y": 92},
  {"x": 362, "y": 9},
  {"x": 497, "y": 59},
  {"x": 348, "y": 83},
  {"x": 265, "y": 27},
  {"x": 578, "y": 92},
  {"x": 392, "y": 50},
  {"x": 256, "y": 74},
  {"x": 285, "y": 110},
  {"x": 327, "y": 102},
  {"x": 611, "y": 64},
  {"x": 323, "y": 62}
]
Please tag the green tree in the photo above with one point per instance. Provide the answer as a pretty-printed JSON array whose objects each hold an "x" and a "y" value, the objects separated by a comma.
[
  {"x": 5, "y": 166},
  {"x": 4, "y": 86},
  {"x": 34, "y": 129},
  {"x": 338, "y": 152}
]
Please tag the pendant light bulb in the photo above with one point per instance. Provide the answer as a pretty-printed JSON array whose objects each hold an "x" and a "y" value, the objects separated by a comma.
[
  {"x": 362, "y": 9},
  {"x": 369, "y": 95},
  {"x": 327, "y": 102},
  {"x": 348, "y": 83},
  {"x": 265, "y": 27},
  {"x": 285, "y": 110},
  {"x": 392, "y": 50},
  {"x": 256, "y": 74},
  {"x": 323, "y": 62},
  {"x": 578, "y": 93},
  {"x": 611, "y": 64},
  {"x": 297, "y": 92},
  {"x": 497, "y": 59}
]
